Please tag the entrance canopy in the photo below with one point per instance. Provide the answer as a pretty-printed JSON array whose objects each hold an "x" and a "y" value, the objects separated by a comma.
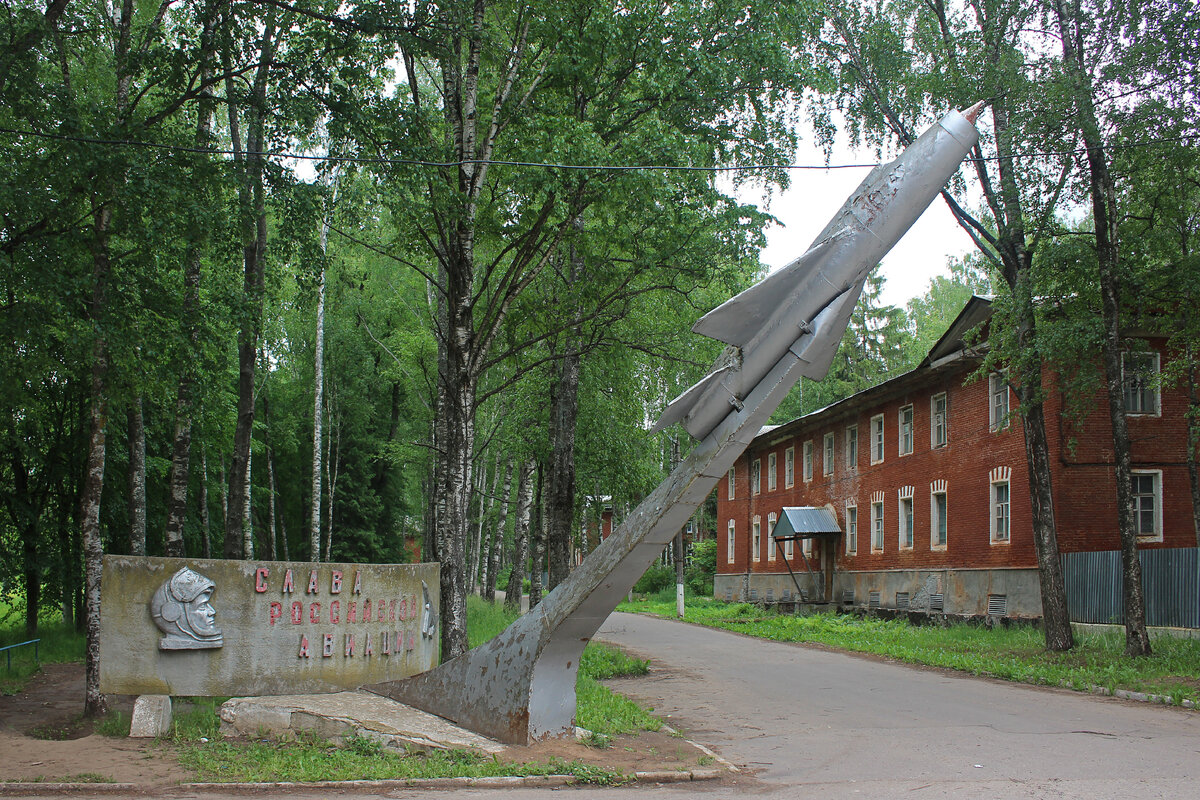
[{"x": 806, "y": 522}]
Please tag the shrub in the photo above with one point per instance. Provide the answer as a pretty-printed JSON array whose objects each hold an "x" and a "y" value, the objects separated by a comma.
[
  {"x": 702, "y": 567},
  {"x": 658, "y": 576}
]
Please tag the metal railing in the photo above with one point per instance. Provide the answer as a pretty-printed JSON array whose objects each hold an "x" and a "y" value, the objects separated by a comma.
[{"x": 8, "y": 651}]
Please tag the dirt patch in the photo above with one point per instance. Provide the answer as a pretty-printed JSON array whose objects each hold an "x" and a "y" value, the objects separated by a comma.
[{"x": 43, "y": 738}]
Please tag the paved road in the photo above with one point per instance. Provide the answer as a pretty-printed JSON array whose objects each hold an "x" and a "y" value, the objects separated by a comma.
[{"x": 846, "y": 726}]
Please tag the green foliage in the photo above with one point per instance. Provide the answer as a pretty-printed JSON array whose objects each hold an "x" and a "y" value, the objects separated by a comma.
[
  {"x": 702, "y": 567},
  {"x": 656, "y": 578}
]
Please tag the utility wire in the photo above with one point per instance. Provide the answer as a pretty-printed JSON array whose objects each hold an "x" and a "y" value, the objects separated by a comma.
[{"x": 538, "y": 164}]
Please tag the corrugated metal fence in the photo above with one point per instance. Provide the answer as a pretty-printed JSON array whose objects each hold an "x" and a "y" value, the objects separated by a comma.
[{"x": 1170, "y": 581}]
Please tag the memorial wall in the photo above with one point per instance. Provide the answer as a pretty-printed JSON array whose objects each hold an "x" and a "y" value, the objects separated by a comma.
[{"x": 207, "y": 627}]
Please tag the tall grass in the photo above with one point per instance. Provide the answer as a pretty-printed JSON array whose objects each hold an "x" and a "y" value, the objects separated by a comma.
[
  {"x": 58, "y": 644},
  {"x": 1016, "y": 653}
]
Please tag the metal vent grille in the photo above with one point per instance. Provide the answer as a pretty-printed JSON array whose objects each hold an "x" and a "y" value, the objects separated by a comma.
[
  {"x": 902, "y": 601},
  {"x": 937, "y": 602},
  {"x": 787, "y": 594},
  {"x": 873, "y": 600},
  {"x": 848, "y": 597},
  {"x": 728, "y": 595},
  {"x": 997, "y": 605},
  {"x": 770, "y": 595},
  {"x": 754, "y": 594}
]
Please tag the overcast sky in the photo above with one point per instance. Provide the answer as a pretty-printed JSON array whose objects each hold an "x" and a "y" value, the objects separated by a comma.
[{"x": 816, "y": 195}]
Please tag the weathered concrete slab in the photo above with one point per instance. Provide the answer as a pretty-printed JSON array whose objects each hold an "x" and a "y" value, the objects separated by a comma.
[
  {"x": 151, "y": 717},
  {"x": 336, "y": 716},
  {"x": 218, "y": 628}
]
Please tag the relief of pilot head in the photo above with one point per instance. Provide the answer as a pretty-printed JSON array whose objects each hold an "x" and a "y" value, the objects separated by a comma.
[{"x": 182, "y": 610}]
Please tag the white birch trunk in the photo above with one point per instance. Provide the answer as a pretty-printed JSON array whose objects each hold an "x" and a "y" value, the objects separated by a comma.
[
  {"x": 318, "y": 402},
  {"x": 137, "y": 479},
  {"x": 493, "y": 571},
  {"x": 248, "y": 512},
  {"x": 205, "y": 523}
]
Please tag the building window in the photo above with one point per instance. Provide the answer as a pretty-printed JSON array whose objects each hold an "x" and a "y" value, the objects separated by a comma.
[
  {"x": 906, "y": 430},
  {"x": 852, "y": 447},
  {"x": 1001, "y": 512},
  {"x": 939, "y": 421},
  {"x": 789, "y": 468},
  {"x": 806, "y": 546},
  {"x": 906, "y": 518},
  {"x": 937, "y": 515},
  {"x": 756, "y": 476},
  {"x": 877, "y": 438},
  {"x": 851, "y": 530},
  {"x": 756, "y": 538},
  {"x": 729, "y": 547},
  {"x": 731, "y": 483},
  {"x": 1147, "y": 504},
  {"x": 771, "y": 464},
  {"x": 877, "y": 527},
  {"x": 808, "y": 461},
  {"x": 1139, "y": 381},
  {"x": 997, "y": 402},
  {"x": 827, "y": 461},
  {"x": 771, "y": 537}
]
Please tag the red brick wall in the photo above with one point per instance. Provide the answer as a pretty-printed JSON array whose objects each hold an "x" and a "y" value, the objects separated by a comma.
[{"x": 1084, "y": 487}]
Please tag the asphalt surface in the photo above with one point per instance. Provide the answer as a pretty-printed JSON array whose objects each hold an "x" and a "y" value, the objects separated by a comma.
[{"x": 845, "y": 726}]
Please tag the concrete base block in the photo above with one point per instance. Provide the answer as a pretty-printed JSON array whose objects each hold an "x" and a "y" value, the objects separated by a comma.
[
  {"x": 344, "y": 714},
  {"x": 151, "y": 716}
]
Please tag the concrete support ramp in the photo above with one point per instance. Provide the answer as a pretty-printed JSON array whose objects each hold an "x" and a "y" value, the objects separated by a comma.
[{"x": 344, "y": 714}]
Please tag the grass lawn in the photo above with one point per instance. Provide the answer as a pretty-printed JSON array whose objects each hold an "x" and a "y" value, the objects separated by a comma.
[
  {"x": 59, "y": 644},
  {"x": 1015, "y": 653}
]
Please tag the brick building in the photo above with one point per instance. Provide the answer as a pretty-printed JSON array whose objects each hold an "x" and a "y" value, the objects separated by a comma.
[{"x": 926, "y": 474}]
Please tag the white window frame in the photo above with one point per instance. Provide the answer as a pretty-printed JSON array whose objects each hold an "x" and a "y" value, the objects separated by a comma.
[
  {"x": 731, "y": 545},
  {"x": 789, "y": 467},
  {"x": 851, "y": 529},
  {"x": 877, "y": 530},
  {"x": 808, "y": 461},
  {"x": 939, "y": 421},
  {"x": 878, "y": 440},
  {"x": 1156, "y": 497},
  {"x": 1000, "y": 511},
  {"x": 905, "y": 438},
  {"x": 1149, "y": 390},
  {"x": 806, "y": 547},
  {"x": 756, "y": 477},
  {"x": 731, "y": 477},
  {"x": 999, "y": 405},
  {"x": 906, "y": 535},
  {"x": 938, "y": 518},
  {"x": 828, "y": 454},
  {"x": 852, "y": 447},
  {"x": 771, "y": 536},
  {"x": 756, "y": 538},
  {"x": 772, "y": 471}
]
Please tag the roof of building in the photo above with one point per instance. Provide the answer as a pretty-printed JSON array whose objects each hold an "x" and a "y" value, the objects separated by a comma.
[{"x": 947, "y": 352}]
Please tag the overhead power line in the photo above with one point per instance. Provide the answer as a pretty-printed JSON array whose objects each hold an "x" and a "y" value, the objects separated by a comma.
[{"x": 530, "y": 164}]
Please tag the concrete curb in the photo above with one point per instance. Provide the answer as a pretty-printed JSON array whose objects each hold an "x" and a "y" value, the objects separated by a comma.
[
  {"x": 502, "y": 782},
  {"x": 729, "y": 765},
  {"x": 1142, "y": 697}
]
